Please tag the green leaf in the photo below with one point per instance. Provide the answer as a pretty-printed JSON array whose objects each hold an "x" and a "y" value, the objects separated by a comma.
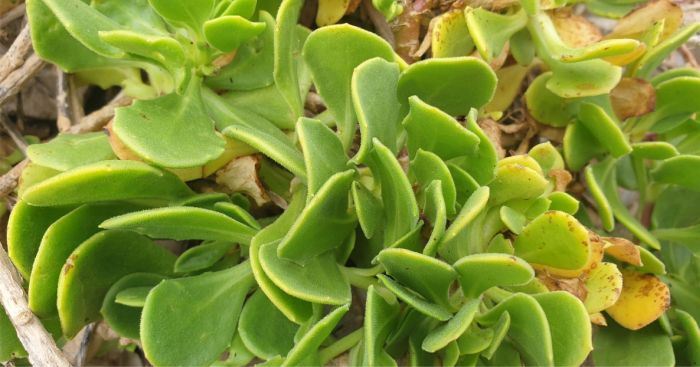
[
  {"x": 172, "y": 131},
  {"x": 602, "y": 176},
  {"x": 136, "y": 15},
  {"x": 444, "y": 83},
  {"x": 435, "y": 213},
  {"x": 123, "y": 319},
  {"x": 313, "y": 338},
  {"x": 303, "y": 281},
  {"x": 324, "y": 223},
  {"x": 692, "y": 334},
  {"x": 479, "y": 272},
  {"x": 563, "y": 202},
  {"x": 406, "y": 266},
  {"x": 332, "y": 53},
  {"x": 529, "y": 328},
  {"x": 104, "y": 181},
  {"x": 179, "y": 308},
  {"x": 323, "y": 153},
  {"x": 183, "y": 223},
  {"x": 264, "y": 330},
  {"x": 227, "y": 33},
  {"x": 513, "y": 219},
  {"x": 440, "y": 337},
  {"x": 481, "y": 164},
  {"x": 491, "y": 31},
  {"x": 25, "y": 229},
  {"x": 677, "y": 170},
  {"x": 654, "y": 57},
  {"x": 428, "y": 167},
  {"x": 616, "y": 346},
  {"x": 369, "y": 209},
  {"x": 96, "y": 265},
  {"x": 66, "y": 151},
  {"x": 475, "y": 340},
  {"x": 57, "y": 244},
  {"x": 433, "y": 130},
  {"x": 378, "y": 110},
  {"x": 415, "y": 301},
  {"x": 400, "y": 206},
  {"x": 191, "y": 14},
  {"x": 570, "y": 327},
  {"x": 287, "y": 55},
  {"x": 554, "y": 239},
  {"x": 381, "y": 317},
  {"x": 84, "y": 23},
  {"x": 295, "y": 309},
  {"x": 202, "y": 257},
  {"x": 655, "y": 150},
  {"x": 604, "y": 128},
  {"x": 516, "y": 180},
  {"x": 255, "y": 131},
  {"x": 580, "y": 146},
  {"x": 547, "y": 107},
  {"x": 10, "y": 346},
  {"x": 252, "y": 67},
  {"x": 50, "y": 40},
  {"x": 133, "y": 297},
  {"x": 453, "y": 244},
  {"x": 450, "y": 37},
  {"x": 237, "y": 213},
  {"x": 244, "y": 8}
]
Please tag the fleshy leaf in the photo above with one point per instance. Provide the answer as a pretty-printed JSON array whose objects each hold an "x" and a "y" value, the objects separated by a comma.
[
  {"x": 323, "y": 153},
  {"x": 529, "y": 328},
  {"x": 427, "y": 167},
  {"x": 569, "y": 325},
  {"x": 444, "y": 334},
  {"x": 332, "y": 53},
  {"x": 181, "y": 12},
  {"x": 381, "y": 317},
  {"x": 202, "y": 257},
  {"x": 324, "y": 223},
  {"x": 433, "y": 130},
  {"x": 491, "y": 31},
  {"x": 172, "y": 131},
  {"x": 554, "y": 239},
  {"x": 616, "y": 346},
  {"x": 443, "y": 83},
  {"x": 480, "y": 272},
  {"x": 59, "y": 241},
  {"x": 25, "y": 229},
  {"x": 191, "y": 306},
  {"x": 96, "y": 265},
  {"x": 376, "y": 105},
  {"x": 414, "y": 300},
  {"x": 313, "y": 338},
  {"x": 107, "y": 180},
  {"x": 677, "y": 171},
  {"x": 66, "y": 151},
  {"x": 604, "y": 284},
  {"x": 126, "y": 320},
  {"x": 227, "y": 33},
  {"x": 404, "y": 266},
  {"x": 183, "y": 223},
  {"x": 604, "y": 128},
  {"x": 264, "y": 330},
  {"x": 400, "y": 206},
  {"x": 450, "y": 37},
  {"x": 303, "y": 281},
  {"x": 369, "y": 209},
  {"x": 644, "y": 299}
]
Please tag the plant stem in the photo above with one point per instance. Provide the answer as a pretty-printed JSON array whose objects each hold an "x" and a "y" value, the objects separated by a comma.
[{"x": 340, "y": 346}]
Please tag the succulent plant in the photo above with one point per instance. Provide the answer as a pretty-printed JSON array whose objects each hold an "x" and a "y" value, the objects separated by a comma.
[{"x": 389, "y": 226}]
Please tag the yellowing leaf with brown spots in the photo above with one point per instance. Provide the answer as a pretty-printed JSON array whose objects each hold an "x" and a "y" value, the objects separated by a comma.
[
  {"x": 623, "y": 249},
  {"x": 644, "y": 299},
  {"x": 604, "y": 285}
]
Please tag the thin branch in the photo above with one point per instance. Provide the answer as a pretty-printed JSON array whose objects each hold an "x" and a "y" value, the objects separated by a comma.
[
  {"x": 63, "y": 113},
  {"x": 98, "y": 119},
  {"x": 9, "y": 180},
  {"x": 14, "y": 82},
  {"x": 75, "y": 99},
  {"x": 14, "y": 133},
  {"x": 15, "y": 55},
  {"x": 380, "y": 24},
  {"x": 689, "y": 57},
  {"x": 12, "y": 15},
  {"x": 36, "y": 340}
]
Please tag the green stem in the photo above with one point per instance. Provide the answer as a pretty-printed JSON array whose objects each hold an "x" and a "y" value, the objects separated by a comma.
[
  {"x": 362, "y": 278},
  {"x": 340, "y": 346}
]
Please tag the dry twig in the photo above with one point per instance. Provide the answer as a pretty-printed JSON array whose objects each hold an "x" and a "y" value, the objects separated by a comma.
[
  {"x": 15, "y": 55},
  {"x": 12, "y": 15},
  {"x": 36, "y": 340},
  {"x": 14, "y": 134},
  {"x": 9, "y": 180},
  {"x": 380, "y": 24},
  {"x": 14, "y": 82},
  {"x": 98, "y": 119},
  {"x": 63, "y": 107}
]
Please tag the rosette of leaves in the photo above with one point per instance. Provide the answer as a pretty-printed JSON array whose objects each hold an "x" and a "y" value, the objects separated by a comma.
[{"x": 450, "y": 254}]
